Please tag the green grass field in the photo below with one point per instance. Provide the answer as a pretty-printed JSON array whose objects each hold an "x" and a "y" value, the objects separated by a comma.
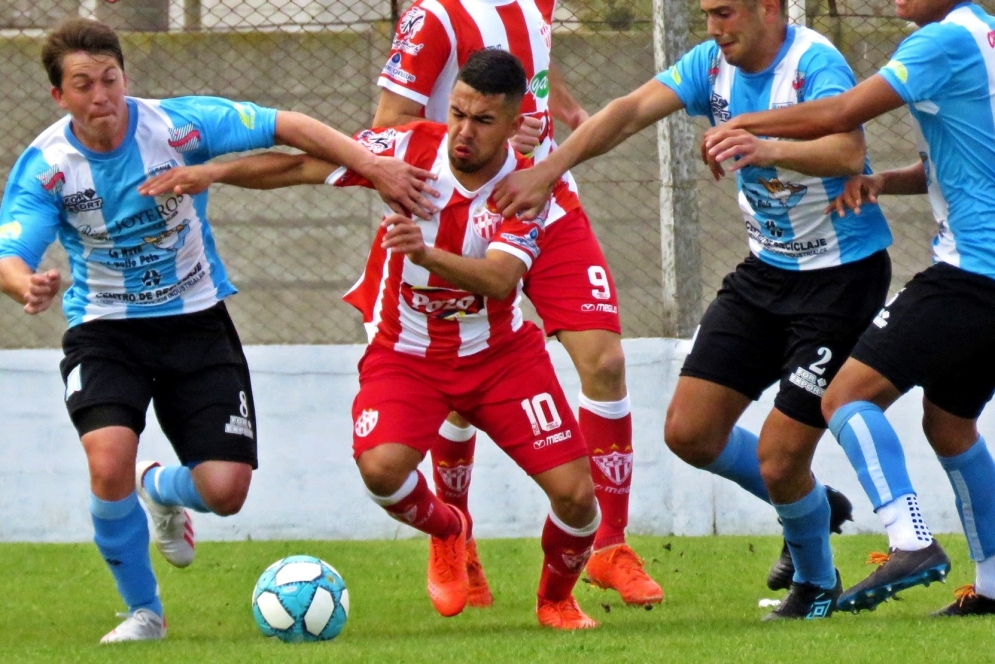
[{"x": 58, "y": 600}]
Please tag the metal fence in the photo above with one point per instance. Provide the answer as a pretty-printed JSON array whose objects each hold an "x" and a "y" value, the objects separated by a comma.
[{"x": 293, "y": 252}]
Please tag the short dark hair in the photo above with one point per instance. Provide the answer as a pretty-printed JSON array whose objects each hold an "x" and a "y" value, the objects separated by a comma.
[
  {"x": 78, "y": 34},
  {"x": 492, "y": 71}
]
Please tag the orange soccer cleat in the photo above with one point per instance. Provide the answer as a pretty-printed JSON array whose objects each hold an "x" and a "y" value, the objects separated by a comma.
[
  {"x": 565, "y": 614},
  {"x": 480, "y": 593},
  {"x": 448, "y": 586},
  {"x": 619, "y": 568}
]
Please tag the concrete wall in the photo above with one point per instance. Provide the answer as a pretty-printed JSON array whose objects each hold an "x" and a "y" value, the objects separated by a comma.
[{"x": 307, "y": 485}]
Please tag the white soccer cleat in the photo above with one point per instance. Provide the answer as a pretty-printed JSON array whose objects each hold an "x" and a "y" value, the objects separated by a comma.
[
  {"x": 142, "y": 625},
  {"x": 172, "y": 526}
]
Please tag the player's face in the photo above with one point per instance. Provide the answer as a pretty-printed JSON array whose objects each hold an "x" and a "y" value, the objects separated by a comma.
[
  {"x": 479, "y": 128},
  {"x": 93, "y": 91},
  {"x": 737, "y": 28}
]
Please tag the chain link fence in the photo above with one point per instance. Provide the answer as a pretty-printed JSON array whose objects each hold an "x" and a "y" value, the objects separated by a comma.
[{"x": 293, "y": 252}]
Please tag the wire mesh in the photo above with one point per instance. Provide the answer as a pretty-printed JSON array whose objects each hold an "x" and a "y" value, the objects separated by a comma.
[{"x": 293, "y": 252}]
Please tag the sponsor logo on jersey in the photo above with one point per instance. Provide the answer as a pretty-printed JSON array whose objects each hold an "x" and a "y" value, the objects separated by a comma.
[
  {"x": 377, "y": 141},
  {"x": 82, "y": 201},
  {"x": 601, "y": 307},
  {"x": 366, "y": 422},
  {"x": 185, "y": 138},
  {"x": 456, "y": 478},
  {"x": 616, "y": 466},
  {"x": 411, "y": 22},
  {"x": 444, "y": 303},
  {"x": 676, "y": 75},
  {"x": 539, "y": 85},
  {"x": 713, "y": 69},
  {"x": 156, "y": 296},
  {"x": 159, "y": 169},
  {"x": 527, "y": 242},
  {"x": 240, "y": 426},
  {"x": 393, "y": 69},
  {"x": 52, "y": 180},
  {"x": 720, "y": 108},
  {"x": 168, "y": 239},
  {"x": 151, "y": 216},
  {"x": 486, "y": 222},
  {"x": 899, "y": 70},
  {"x": 799, "y": 83},
  {"x": 406, "y": 46},
  {"x": 10, "y": 231},
  {"x": 246, "y": 114}
]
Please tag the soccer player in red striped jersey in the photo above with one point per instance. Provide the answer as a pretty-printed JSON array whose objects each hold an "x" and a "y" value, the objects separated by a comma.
[
  {"x": 440, "y": 299},
  {"x": 570, "y": 286}
]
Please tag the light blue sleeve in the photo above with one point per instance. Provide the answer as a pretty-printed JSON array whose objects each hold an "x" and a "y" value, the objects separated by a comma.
[
  {"x": 827, "y": 73},
  {"x": 224, "y": 126},
  {"x": 920, "y": 68},
  {"x": 30, "y": 215},
  {"x": 690, "y": 78}
]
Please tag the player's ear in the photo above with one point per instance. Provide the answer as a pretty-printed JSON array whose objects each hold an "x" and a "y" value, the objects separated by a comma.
[{"x": 57, "y": 96}]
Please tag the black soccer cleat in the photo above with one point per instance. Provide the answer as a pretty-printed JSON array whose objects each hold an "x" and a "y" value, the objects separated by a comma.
[
  {"x": 898, "y": 571},
  {"x": 783, "y": 569},
  {"x": 808, "y": 602},
  {"x": 968, "y": 603}
]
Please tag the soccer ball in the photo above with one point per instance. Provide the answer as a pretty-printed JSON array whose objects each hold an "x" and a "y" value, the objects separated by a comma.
[{"x": 300, "y": 598}]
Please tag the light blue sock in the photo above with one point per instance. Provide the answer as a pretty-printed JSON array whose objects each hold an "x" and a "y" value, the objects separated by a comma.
[
  {"x": 739, "y": 463},
  {"x": 122, "y": 537},
  {"x": 173, "y": 486},
  {"x": 874, "y": 451},
  {"x": 806, "y": 532},
  {"x": 972, "y": 475}
]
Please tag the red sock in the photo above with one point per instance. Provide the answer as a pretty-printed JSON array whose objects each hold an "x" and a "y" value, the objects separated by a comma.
[
  {"x": 452, "y": 464},
  {"x": 609, "y": 444},
  {"x": 421, "y": 509},
  {"x": 566, "y": 553}
]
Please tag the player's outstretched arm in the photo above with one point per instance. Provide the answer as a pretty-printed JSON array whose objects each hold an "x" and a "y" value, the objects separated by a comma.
[
  {"x": 907, "y": 181},
  {"x": 36, "y": 291},
  {"x": 562, "y": 104},
  {"x": 494, "y": 276},
  {"x": 403, "y": 187},
  {"x": 830, "y": 156},
  {"x": 394, "y": 109},
  {"x": 524, "y": 193},
  {"x": 269, "y": 170}
]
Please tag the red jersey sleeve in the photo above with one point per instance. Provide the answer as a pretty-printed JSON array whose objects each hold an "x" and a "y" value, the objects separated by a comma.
[
  {"x": 381, "y": 142},
  {"x": 418, "y": 55},
  {"x": 518, "y": 238}
]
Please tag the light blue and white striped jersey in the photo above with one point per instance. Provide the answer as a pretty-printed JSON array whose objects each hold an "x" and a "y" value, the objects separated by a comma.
[
  {"x": 130, "y": 256},
  {"x": 946, "y": 73},
  {"x": 784, "y": 210}
]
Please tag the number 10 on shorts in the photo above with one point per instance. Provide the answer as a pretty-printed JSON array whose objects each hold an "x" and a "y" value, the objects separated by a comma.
[{"x": 542, "y": 413}]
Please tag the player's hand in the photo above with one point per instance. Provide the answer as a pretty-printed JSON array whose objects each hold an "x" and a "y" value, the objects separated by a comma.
[
  {"x": 579, "y": 117},
  {"x": 857, "y": 190},
  {"x": 404, "y": 235},
  {"x": 180, "y": 180},
  {"x": 523, "y": 194},
  {"x": 527, "y": 139},
  {"x": 721, "y": 144},
  {"x": 405, "y": 188},
  {"x": 42, "y": 289}
]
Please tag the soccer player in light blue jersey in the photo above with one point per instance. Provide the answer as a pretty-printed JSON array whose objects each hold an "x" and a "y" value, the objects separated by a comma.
[
  {"x": 791, "y": 312},
  {"x": 937, "y": 333},
  {"x": 147, "y": 321}
]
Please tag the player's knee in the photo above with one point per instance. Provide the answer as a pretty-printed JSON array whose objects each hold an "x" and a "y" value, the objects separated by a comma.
[
  {"x": 777, "y": 470},
  {"x": 225, "y": 488},
  {"x": 382, "y": 474},
  {"x": 832, "y": 401},
  {"x": 576, "y": 505},
  {"x": 691, "y": 442},
  {"x": 603, "y": 372}
]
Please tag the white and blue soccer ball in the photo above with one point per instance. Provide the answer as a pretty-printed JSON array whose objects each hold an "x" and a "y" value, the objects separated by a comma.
[{"x": 300, "y": 598}]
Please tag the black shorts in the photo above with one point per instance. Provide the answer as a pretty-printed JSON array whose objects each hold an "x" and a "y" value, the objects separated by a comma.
[
  {"x": 190, "y": 366},
  {"x": 938, "y": 332},
  {"x": 767, "y": 324}
]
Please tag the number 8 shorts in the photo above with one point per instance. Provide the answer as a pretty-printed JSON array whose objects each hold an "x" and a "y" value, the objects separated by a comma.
[
  {"x": 510, "y": 392},
  {"x": 569, "y": 284}
]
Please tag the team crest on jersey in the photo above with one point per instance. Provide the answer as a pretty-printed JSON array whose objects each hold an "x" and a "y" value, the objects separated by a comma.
[
  {"x": 52, "y": 180},
  {"x": 185, "y": 138},
  {"x": 366, "y": 422},
  {"x": 456, "y": 478},
  {"x": 799, "y": 83},
  {"x": 444, "y": 303},
  {"x": 486, "y": 222},
  {"x": 377, "y": 141},
  {"x": 616, "y": 466},
  {"x": 991, "y": 38},
  {"x": 82, "y": 201}
]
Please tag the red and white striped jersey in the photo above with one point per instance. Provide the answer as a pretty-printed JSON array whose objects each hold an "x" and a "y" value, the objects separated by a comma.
[
  {"x": 407, "y": 308},
  {"x": 434, "y": 38}
]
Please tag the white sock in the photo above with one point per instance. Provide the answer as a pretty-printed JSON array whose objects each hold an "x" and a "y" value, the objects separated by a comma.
[
  {"x": 984, "y": 579},
  {"x": 906, "y": 528}
]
